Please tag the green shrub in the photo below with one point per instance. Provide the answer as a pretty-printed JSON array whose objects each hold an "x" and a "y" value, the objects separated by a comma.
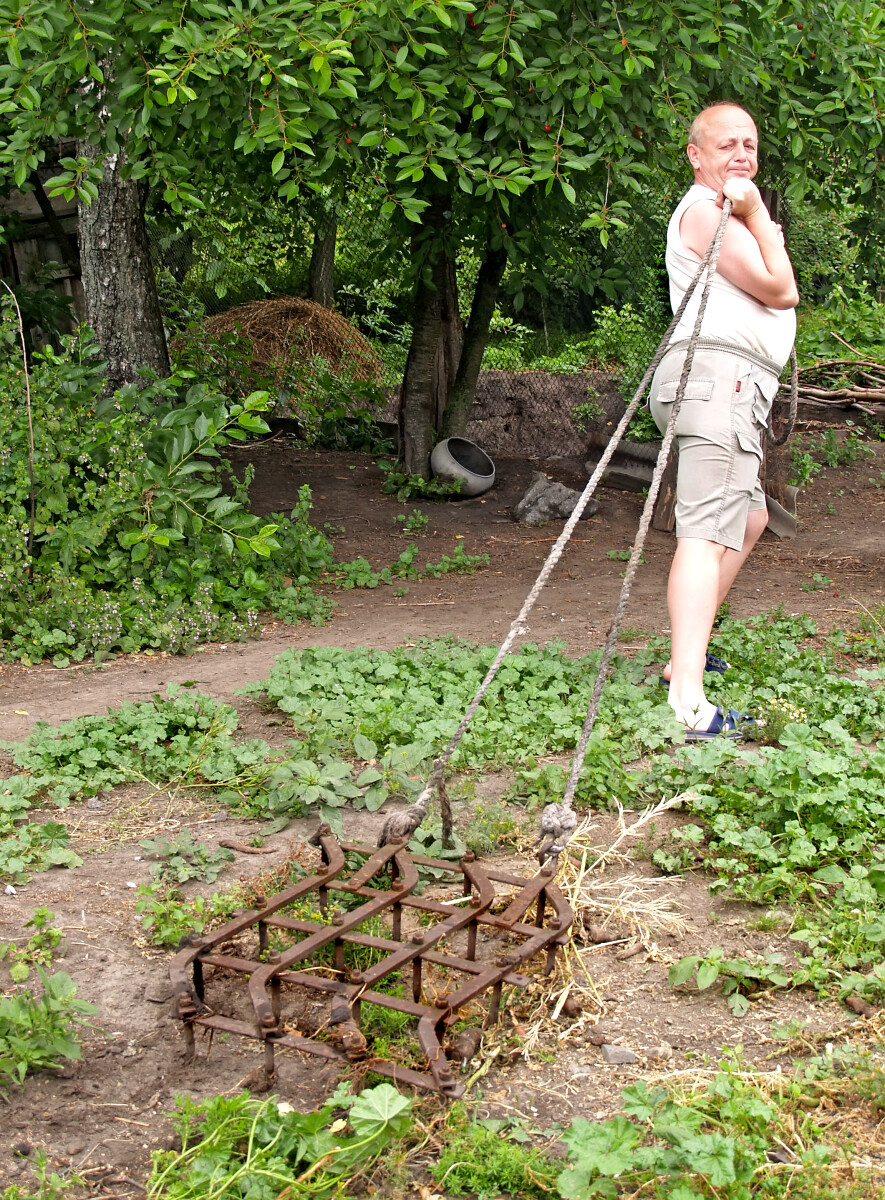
[
  {"x": 134, "y": 533},
  {"x": 823, "y": 250},
  {"x": 857, "y": 319}
]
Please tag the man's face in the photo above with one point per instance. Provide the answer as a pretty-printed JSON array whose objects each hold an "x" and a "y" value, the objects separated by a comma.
[{"x": 728, "y": 148}]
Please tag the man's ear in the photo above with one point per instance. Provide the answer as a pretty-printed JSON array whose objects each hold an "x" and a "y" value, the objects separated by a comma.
[{"x": 693, "y": 155}]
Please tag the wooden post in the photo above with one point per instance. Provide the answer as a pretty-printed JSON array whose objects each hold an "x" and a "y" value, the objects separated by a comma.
[{"x": 664, "y": 515}]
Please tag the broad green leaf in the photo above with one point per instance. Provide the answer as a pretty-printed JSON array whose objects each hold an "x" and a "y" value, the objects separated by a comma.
[
  {"x": 708, "y": 973},
  {"x": 381, "y": 1109},
  {"x": 683, "y": 970},
  {"x": 365, "y": 747}
]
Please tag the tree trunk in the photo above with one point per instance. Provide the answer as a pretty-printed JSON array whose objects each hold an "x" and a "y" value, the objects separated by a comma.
[
  {"x": 417, "y": 402},
  {"x": 118, "y": 277},
  {"x": 451, "y": 336},
  {"x": 435, "y": 350},
  {"x": 321, "y": 278},
  {"x": 482, "y": 309}
]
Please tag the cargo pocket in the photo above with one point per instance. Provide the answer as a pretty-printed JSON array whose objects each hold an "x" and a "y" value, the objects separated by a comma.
[
  {"x": 695, "y": 413},
  {"x": 763, "y": 398},
  {"x": 695, "y": 389},
  {"x": 747, "y": 458}
]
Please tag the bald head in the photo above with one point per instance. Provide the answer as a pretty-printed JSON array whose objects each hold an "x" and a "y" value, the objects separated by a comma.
[
  {"x": 711, "y": 114},
  {"x": 723, "y": 144}
]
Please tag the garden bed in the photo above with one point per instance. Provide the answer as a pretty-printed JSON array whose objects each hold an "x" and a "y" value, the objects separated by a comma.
[{"x": 102, "y": 1116}]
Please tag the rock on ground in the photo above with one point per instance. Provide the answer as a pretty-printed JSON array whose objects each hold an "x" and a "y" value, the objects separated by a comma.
[{"x": 546, "y": 500}]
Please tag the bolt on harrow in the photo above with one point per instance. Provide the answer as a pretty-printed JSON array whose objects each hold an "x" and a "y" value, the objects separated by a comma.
[{"x": 440, "y": 940}]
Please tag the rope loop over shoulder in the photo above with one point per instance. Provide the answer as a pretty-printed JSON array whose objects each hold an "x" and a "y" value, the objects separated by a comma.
[{"x": 794, "y": 404}]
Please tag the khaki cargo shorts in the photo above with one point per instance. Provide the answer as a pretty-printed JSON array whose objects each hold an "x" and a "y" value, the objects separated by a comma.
[{"x": 719, "y": 437}]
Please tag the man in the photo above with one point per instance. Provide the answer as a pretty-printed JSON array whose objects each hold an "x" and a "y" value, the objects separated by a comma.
[{"x": 746, "y": 337}]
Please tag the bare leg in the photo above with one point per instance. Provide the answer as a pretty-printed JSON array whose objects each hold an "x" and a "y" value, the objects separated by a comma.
[
  {"x": 730, "y": 564},
  {"x": 692, "y": 601},
  {"x": 733, "y": 560}
]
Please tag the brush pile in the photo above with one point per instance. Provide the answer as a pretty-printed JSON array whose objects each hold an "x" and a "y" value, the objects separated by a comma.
[{"x": 845, "y": 383}]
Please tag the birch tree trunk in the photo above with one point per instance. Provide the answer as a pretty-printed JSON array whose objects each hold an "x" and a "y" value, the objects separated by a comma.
[{"x": 118, "y": 277}]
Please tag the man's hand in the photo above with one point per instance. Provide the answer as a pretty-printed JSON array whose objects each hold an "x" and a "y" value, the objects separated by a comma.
[
  {"x": 744, "y": 195},
  {"x": 753, "y": 256}
]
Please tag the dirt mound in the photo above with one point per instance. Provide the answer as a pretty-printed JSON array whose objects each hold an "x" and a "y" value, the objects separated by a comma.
[{"x": 290, "y": 331}]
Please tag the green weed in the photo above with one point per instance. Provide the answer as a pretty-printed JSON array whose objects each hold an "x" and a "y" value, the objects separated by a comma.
[
  {"x": 26, "y": 846},
  {"x": 711, "y": 1142},
  {"x": 167, "y": 916},
  {"x": 766, "y": 922},
  {"x": 816, "y": 582},
  {"x": 39, "y": 1032},
  {"x": 415, "y": 487},
  {"x": 360, "y": 574},
  {"x": 642, "y": 427},
  {"x": 48, "y": 1185},
  {"x": 264, "y": 1148},
  {"x": 803, "y": 466},
  {"x": 741, "y": 980},
  {"x": 414, "y": 522},
  {"x": 37, "y": 951},
  {"x": 491, "y": 826},
  {"x": 588, "y": 414},
  {"x": 489, "y": 1158},
  {"x": 182, "y": 859},
  {"x": 836, "y": 452}
]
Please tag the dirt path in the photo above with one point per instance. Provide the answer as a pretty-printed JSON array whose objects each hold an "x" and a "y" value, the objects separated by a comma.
[{"x": 842, "y": 525}]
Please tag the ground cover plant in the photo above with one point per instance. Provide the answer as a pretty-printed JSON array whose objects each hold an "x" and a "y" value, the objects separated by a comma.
[
  {"x": 728, "y": 1132},
  {"x": 791, "y": 817},
  {"x": 238, "y": 1146},
  {"x": 789, "y": 821}
]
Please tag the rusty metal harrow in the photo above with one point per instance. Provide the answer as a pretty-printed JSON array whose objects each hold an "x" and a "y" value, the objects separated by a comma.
[{"x": 458, "y": 977}]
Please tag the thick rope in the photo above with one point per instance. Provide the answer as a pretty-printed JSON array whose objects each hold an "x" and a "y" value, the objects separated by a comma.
[
  {"x": 518, "y": 626},
  {"x": 794, "y": 404},
  {"x": 644, "y": 523}
]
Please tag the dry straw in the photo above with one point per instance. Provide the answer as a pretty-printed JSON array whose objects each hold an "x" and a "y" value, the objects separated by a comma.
[{"x": 291, "y": 331}]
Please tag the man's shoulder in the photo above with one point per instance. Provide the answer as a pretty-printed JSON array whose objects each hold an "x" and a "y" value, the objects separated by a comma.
[
  {"x": 697, "y": 209},
  {"x": 695, "y": 194}
]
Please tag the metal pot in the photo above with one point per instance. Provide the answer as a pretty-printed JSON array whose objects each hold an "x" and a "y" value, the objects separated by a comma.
[{"x": 457, "y": 458}]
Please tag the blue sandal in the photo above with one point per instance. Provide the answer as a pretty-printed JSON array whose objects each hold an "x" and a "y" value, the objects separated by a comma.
[
  {"x": 730, "y": 725},
  {"x": 711, "y": 663}
]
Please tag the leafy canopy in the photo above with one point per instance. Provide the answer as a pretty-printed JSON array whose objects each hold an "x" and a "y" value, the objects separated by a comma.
[{"x": 491, "y": 98}]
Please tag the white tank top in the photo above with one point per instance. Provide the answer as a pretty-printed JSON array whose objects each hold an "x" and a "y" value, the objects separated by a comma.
[{"x": 732, "y": 314}]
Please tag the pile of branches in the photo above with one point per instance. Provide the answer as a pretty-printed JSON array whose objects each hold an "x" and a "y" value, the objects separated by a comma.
[{"x": 845, "y": 383}]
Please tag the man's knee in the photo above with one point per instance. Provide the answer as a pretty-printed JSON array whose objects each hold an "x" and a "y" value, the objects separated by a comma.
[
  {"x": 757, "y": 520},
  {"x": 700, "y": 548}
]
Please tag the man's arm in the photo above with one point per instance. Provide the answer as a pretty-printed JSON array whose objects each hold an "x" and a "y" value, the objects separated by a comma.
[{"x": 752, "y": 255}]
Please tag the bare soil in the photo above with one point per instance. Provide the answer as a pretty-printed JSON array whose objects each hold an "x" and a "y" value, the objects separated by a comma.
[{"x": 102, "y": 1116}]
